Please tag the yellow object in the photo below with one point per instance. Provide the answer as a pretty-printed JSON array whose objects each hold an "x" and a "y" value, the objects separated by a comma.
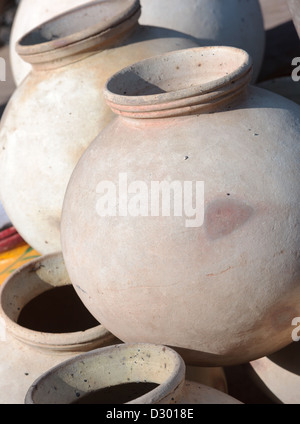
[{"x": 13, "y": 259}]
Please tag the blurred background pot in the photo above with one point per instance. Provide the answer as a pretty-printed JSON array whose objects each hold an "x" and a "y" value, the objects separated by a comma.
[
  {"x": 43, "y": 322},
  {"x": 30, "y": 14},
  {"x": 237, "y": 23},
  {"x": 59, "y": 109},
  {"x": 220, "y": 281},
  {"x": 294, "y": 6},
  {"x": 133, "y": 373},
  {"x": 285, "y": 86}
]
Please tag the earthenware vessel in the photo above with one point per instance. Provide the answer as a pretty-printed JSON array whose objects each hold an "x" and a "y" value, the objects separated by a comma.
[
  {"x": 285, "y": 86},
  {"x": 133, "y": 374},
  {"x": 189, "y": 204},
  {"x": 30, "y": 14},
  {"x": 279, "y": 374},
  {"x": 294, "y": 6},
  {"x": 59, "y": 109},
  {"x": 236, "y": 23},
  {"x": 38, "y": 328}
]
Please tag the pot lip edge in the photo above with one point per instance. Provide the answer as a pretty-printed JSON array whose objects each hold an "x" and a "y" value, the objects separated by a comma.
[
  {"x": 174, "y": 381},
  {"x": 133, "y": 11},
  {"x": 204, "y": 88},
  {"x": 46, "y": 340}
]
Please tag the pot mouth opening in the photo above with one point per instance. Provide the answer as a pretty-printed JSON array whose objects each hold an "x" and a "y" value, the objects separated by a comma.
[
  {"x": 138, "y": 373},
  {"x": 78, "y": 24},
  {"x": 40, "y": 308},
  {"x": 179, "y": 82}
]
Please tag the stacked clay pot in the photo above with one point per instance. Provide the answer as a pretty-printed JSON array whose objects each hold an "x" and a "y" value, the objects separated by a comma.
[
  {"x": 59, "y": 109},
  {"x": 129, "y": 373},
  {"x": 30, "y": 14},
  {"x": 278, "y": 375},
  {"x": 218, "y": 279},
  {"x": 39, "y": 330},
  {"x": 236, "y": 23}
]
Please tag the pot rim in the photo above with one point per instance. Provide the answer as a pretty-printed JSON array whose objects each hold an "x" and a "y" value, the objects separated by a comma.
[
  {"x": 55, "y": 342},
  {"x": 127, "y": 11},
  {"x": 169, "y": 390},
  {"x": 178, "y": 101}
]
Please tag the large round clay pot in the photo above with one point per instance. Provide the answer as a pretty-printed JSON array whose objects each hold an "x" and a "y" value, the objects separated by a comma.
[
  {"x": 30, "y": 14},
  {"x": 237, "y": 23},
  {"x": 278, "y": 375},
  {"x": 285, "y": 86},
  {"x": 294, "y": 6},
  {"x": 133, "y": 373},
  {"x": 42, "y": 323},
  {"x": 215, "y": 276},
  {"x": 59, "y": 109}
]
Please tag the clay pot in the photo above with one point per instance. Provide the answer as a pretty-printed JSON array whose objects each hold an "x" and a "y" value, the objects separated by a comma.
[
  {"x": 278, "y": 375},
  {"x": 285, "y": 86},
  {"x": 30, "y": 14},
  {"x": 294, "y": 6},
  {"x": 133, "y": 373},
  {"x": 213, "y": 22},
  {"x": 43, "y": 322},
  {"x": 59, "y": 109},
  {"x": 215, "y": 276},
  {"x": 209, "y": 376}
]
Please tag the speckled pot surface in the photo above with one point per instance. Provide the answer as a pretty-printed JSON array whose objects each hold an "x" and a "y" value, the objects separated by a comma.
[
  {"x": 222, "y": 287},
  {"x": 59, "y": 109},
  {"x": 71, "y": 381}
]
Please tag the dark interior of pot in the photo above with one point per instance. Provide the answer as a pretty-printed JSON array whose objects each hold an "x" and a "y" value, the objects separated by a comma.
[
  {"x": 94, "y": 17},
  {"x": 58, "y": 310},
  {"x": 179, "y": 71},
  {"x": 41, "y": 298}
]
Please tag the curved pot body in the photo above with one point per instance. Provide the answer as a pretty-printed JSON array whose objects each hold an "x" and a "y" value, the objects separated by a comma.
[
  {"x": 59, "y": 109},
  {"x": 133, "y": 373},
  {"x": 213, "y": 22},
  {"x": 30, "y": 14},
  {"x": 285, "y": 86},
  {"x": 294, "y": 6},
  {"x": 33, "y": 338},
  {"x": 189, "y": 201},
  {"x": 279, "y": 374}
]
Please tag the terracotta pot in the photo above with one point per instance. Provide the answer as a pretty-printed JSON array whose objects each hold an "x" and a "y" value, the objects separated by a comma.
[
  {"x": 285, "y": 86},
  {"x": 213, "y": 22},
  {"x": 56, "y": 113},
  {"x": 38, "y": 329},
  {"x": 216, "y": 276},
  {"x": 278, "y": 375},
  {"x": 294, "y": 6},
  {"x": 30, "y": 14},
  {"x": 133, "y": 373}
]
